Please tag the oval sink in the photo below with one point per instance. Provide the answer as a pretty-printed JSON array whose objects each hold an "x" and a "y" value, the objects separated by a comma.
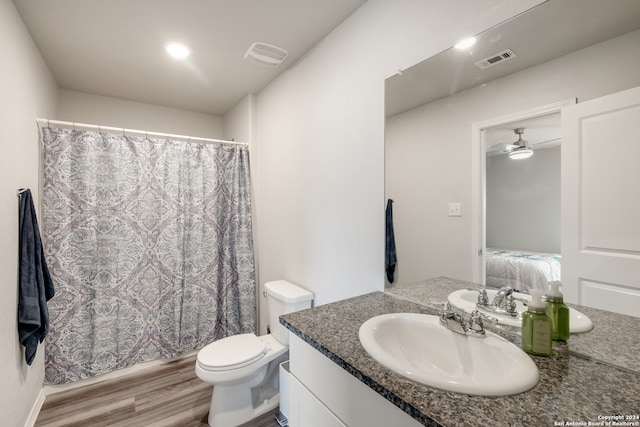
[
  {"x": 466, "y": 300},
  {"x": 418, "y": 347}
]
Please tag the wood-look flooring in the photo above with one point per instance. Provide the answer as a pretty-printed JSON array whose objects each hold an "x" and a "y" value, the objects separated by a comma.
[{"x": 168, "y": 395}]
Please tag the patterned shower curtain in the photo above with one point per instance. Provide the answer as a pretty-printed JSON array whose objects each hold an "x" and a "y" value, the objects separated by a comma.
[{"x": 149, "y": 243}]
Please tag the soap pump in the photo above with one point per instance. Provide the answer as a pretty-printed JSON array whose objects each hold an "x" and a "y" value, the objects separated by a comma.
[
  {"x": 558, "y": 312},
  {"x": 536, "y": 327}
]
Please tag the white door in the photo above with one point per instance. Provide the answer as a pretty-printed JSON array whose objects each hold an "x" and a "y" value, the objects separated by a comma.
[{"x": 601, "y": 202}]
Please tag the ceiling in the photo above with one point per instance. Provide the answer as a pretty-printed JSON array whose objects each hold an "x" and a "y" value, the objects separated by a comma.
[
  {"x": 115, "y": 48},
  {"x": 548, "y": 31}
]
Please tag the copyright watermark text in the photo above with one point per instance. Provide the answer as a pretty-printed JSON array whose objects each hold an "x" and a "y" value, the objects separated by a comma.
[{"x": 604, "y": 421}]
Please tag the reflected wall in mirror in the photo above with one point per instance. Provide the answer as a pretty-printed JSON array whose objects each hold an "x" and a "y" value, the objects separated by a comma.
[
  {"x": 522, "y": 199},
  {"x": 561, "y": 50}
]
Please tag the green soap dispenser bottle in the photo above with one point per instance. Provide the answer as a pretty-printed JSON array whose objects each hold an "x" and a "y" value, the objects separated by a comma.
[
  {"x": 558, "y": 312},
  {"x": 536, "y": 327}
]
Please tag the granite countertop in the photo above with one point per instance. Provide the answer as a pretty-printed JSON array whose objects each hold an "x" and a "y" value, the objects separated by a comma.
[{"x": 572, "y": 388}]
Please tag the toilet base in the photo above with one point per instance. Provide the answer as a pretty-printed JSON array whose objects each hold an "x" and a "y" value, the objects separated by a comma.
[{"x": 232, "y": 405}]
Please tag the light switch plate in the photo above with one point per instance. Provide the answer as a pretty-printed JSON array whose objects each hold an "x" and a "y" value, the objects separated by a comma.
[{"x": 455, "y": 209}]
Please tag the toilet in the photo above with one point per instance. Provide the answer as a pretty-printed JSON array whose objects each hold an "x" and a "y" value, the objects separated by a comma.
[{"x": 244, "y": 369}]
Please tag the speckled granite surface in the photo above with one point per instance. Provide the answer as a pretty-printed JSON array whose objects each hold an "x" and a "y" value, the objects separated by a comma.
[
  {"x": 614, "y": 339},
  {"x": 571, "y": 388}
]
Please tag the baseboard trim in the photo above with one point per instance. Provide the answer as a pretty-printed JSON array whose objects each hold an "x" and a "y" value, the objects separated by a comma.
[{"x": 35, "y": 410}]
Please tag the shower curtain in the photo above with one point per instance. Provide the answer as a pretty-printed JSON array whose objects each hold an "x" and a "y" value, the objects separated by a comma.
[{"x": 149, "y": 242}]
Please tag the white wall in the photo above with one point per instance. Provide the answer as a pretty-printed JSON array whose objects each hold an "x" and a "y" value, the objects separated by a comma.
[
  {"x": 82, "y": 107},
  {"x": 27, "y": 90},
  {"x": 523, "y": 202},
  {"x": 239, "y": 123},
  {"x": 321, "y": 141},
  {"x": 428, "y": 150}
]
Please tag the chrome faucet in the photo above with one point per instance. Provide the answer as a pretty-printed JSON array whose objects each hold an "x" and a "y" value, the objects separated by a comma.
[
  {"x": 503, "y": 303},
  {"x": 456, "y": 323},
  {"x": 504, "y": 299}
]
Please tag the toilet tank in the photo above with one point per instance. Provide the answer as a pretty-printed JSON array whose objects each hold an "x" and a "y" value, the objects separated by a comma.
[{"x": 284, "y": 297}]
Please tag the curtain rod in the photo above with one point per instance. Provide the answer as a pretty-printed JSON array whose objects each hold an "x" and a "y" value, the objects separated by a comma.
[{"x": 49, "y": 122}]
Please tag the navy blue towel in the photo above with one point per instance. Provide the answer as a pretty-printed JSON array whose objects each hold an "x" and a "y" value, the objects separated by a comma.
[
  {"x": 390, "y": 257},
  {"x": 36, "y": 286}
]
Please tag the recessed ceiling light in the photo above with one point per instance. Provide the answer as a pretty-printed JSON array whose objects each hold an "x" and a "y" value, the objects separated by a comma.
[
  {"x": 177, "y": 50},
  {"x": 465, "y": 43}
]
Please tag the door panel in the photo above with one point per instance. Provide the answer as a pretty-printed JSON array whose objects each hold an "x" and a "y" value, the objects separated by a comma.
[
  {"x": 609, "y": 297},
  {"x": 601, "y": 202}
]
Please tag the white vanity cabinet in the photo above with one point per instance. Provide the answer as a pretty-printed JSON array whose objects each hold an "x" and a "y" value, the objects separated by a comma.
[
  {"x": 323, "y": 394},
  {"x": 306, "y": 410}
]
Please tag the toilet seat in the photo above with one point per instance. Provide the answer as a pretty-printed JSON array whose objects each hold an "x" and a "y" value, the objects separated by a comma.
[{"x": 232, "y": 352}]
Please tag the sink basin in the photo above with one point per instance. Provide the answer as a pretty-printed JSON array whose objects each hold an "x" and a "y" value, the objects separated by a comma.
[
  {"x": 418, "y": 347},
  {"x": 466, "y": 300}
]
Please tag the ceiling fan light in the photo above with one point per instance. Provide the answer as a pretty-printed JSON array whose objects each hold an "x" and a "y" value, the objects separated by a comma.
[{"x": 520, "y": 154}]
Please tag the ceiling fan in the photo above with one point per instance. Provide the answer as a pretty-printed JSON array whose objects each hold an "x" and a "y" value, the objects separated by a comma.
[{"x": 520, "y": 149}]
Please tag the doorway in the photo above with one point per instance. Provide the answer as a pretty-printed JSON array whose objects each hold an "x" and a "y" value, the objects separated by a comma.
[{"x": 510, "y": 209}]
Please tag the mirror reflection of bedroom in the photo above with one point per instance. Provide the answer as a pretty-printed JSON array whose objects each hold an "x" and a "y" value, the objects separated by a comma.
[{"x": 523, "y": 203}]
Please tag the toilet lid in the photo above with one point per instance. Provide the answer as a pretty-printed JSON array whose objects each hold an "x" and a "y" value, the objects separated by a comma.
[{"x": 230, "y": 352}]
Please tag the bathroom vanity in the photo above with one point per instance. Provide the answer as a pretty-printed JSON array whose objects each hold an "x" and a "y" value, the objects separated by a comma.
[{"x": 335, "y": 382}]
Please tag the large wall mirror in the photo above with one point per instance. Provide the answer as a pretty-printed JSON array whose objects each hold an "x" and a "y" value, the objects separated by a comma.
[{"x": 452, "y": 122}]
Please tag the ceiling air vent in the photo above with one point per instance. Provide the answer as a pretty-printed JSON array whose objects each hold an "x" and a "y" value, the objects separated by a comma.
[
  {"x": 496, "y": 59},
  {"x": 266, "y": 54}
]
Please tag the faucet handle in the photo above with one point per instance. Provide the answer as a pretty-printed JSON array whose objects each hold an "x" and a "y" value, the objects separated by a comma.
[
  {"x": 476, "y": 327},
  {"x": 483, "y": 298},
  {"x": 510, "y": 304}
]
